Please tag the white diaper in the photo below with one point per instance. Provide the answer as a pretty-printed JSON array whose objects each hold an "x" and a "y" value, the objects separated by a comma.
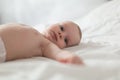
[{"x": 2, "y": 51}]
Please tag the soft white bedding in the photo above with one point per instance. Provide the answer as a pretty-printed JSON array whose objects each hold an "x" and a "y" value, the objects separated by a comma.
[{"x": 100, "y": 50}]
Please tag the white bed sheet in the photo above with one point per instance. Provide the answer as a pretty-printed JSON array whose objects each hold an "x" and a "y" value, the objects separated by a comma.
[
  {"x": 100, "y": 50},
  {"x": 44, "y": 69}
]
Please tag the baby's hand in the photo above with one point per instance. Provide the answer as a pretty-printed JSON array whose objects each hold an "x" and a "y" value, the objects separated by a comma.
[{"x": 69, "y": 58}]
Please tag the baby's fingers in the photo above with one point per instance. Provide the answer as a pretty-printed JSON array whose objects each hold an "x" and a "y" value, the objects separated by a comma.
[{"x": 71, "y": 59}]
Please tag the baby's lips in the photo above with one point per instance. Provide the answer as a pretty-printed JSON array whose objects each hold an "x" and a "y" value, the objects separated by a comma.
[{"x": 55, "y": 35}]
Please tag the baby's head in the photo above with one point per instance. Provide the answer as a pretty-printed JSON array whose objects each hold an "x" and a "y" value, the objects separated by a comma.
[{"x": 64, "y": 34}]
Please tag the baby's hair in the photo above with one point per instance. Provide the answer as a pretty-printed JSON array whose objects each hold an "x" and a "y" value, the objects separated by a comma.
[{"x": 80, "y": 32}]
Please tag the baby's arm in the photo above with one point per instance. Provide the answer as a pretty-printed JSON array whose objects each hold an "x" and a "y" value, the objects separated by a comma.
[{"x": 54, "y": 52}]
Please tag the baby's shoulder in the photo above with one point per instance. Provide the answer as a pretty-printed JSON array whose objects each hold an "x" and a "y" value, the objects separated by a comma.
[{"x": 18, "y": 28}]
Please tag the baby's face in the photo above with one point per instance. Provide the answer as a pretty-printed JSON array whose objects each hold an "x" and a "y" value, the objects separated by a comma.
[{"x": 64, "y": 34}]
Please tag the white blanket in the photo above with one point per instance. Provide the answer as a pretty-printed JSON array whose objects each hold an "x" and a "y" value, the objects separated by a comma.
[{"x": 100, "y": 50}]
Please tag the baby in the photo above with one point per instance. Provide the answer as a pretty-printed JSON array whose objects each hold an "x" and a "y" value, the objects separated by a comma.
[{"x": 22, "y": 41}]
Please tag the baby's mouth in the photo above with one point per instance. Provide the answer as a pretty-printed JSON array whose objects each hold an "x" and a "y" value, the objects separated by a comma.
[{"x": 54, "y": 36}]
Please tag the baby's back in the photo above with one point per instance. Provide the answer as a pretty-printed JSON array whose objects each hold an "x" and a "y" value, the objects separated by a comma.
[{"x": 20, "y": 41}]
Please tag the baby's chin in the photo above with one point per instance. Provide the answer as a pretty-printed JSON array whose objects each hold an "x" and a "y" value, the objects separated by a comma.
[
  {"x": 50, "y": 38},
  {"x": 47, "y": 35}
]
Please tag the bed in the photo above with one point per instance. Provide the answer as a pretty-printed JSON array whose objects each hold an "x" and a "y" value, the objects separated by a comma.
[{"x": 99, "y": 49}]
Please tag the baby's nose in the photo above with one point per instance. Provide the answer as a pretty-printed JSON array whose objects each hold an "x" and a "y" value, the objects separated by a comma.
[{"x": 61, "y": 35}]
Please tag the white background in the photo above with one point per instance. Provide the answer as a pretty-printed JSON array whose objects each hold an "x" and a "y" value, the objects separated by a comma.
[{"x": 34, "y": 12}]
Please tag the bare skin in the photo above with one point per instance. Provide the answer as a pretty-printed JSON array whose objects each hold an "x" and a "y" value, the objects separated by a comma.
[{"x": 22, "y": 41}]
